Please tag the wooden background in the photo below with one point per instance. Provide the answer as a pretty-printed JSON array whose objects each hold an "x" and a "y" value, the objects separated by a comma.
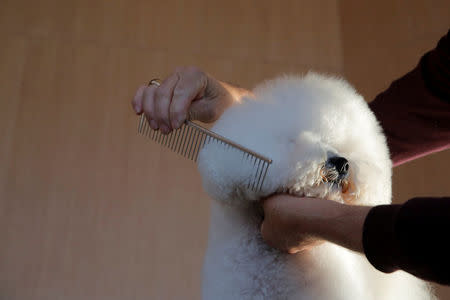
[{"x": 90, "y": 210}]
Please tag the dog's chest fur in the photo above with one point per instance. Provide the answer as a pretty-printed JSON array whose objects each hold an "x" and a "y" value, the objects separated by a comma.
[{"x": 239, "y": 265}]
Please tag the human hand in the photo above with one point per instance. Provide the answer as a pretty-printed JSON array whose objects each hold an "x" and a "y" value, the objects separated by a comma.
[
  {"x": 293, "y": 224},
  {"x": 289, "y": 222},
  {"x": 188, "y": 93}
]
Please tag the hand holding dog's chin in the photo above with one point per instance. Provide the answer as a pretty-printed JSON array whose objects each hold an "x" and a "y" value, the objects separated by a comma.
[{"x": 292, "y": 224}]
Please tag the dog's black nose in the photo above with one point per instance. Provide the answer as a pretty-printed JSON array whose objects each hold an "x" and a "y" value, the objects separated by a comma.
[{"x": 340, "y": 163}]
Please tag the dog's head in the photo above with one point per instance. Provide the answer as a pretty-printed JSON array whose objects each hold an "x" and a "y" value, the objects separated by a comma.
[{"x": 322, "y": 137}]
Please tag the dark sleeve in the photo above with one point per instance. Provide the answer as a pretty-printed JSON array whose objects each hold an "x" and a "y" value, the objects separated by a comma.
[
  {"x": 413, "y": 237},
  {"x": 415, "y": 110},
  {"x": 415, "y": 115}
]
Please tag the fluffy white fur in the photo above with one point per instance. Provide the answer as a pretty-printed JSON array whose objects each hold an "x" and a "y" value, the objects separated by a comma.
[{"x": 298, "y": 122}]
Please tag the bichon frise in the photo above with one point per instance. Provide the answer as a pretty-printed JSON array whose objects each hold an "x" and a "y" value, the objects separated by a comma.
[{"x": 306, "y": 125}]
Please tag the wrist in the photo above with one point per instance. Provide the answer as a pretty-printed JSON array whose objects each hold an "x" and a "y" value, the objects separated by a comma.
[
  {"x": 236, "y": 93},
  {"x": 343, "y": 225}
]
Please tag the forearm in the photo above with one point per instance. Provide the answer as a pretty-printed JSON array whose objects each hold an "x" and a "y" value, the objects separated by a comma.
[
  {"x": 295, "y": 224},
  {"x": 409, "y": 237},
  {"x": 344, "y": 225}
]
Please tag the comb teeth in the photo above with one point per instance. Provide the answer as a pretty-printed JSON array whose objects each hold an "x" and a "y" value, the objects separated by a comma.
[{"x": 190, "y": 138}]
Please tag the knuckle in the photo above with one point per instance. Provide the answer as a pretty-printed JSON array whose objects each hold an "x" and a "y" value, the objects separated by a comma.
[
  {"x": 161, "y": 115},
  {"x": 176, "y": 113},
  {"x": 178, "y": 109},
  {"x": 179, "y": 91},
  {"x": 161, "y": 93},
  {"x": 149, "y": 92},
  {"x": 147, "y": 109}
]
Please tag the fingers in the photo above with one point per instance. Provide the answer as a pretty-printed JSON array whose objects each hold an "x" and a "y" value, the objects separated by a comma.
[
  {"x": 276, "y": 238},
  {"x": 206, "y": 111},
  {"x": 137, "y": 100},
  {"x": 163, "y": 99},
  {"x": 143, "y": 102},
  {"x": 166, "y": 106},
  {"x": 191, "y": 84},
  {"x": 149, "y": 105}
]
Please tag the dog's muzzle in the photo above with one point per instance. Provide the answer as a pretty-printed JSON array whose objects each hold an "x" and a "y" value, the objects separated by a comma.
[{"x": 335, "y": 171}]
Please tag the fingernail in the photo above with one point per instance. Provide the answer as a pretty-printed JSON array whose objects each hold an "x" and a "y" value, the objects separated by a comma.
[
  {"x": 164, "y": 128},
  {"x": 153, "y": 124}
]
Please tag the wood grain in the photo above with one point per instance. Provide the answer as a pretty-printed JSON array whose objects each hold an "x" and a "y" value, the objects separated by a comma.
[{"x": 91, "y": 210}]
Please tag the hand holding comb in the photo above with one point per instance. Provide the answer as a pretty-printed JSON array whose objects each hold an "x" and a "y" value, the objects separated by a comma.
[{"x": 190, "y": 138}]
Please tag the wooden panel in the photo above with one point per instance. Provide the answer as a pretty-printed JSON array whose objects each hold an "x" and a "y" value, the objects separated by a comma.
[
  {"x": 12, "y": 60},
  {"x": 384, "y": 39},
  {"x": 89, "y": 209}
]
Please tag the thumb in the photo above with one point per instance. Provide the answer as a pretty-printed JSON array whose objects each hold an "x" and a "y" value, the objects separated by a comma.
[{"x": 205, "y": 111}]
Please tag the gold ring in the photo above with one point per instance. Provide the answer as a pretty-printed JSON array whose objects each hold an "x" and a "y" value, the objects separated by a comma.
[{"x": 154, "y": 82}]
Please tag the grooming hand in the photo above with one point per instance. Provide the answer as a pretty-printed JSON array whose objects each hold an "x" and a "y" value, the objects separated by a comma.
[
  {"x": 188, "y": 93},
  {"x": 294, "y": 224}
]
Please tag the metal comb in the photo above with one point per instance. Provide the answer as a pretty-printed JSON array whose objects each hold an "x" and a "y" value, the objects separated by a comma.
[{"x": 190, "y": 138}]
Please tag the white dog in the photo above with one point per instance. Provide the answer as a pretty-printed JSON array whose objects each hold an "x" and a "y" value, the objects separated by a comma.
[{"x": 303, "y": 124}]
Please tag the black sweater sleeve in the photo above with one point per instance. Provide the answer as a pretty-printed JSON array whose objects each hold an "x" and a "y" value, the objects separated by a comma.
[{"x": 413, "y": 237}]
